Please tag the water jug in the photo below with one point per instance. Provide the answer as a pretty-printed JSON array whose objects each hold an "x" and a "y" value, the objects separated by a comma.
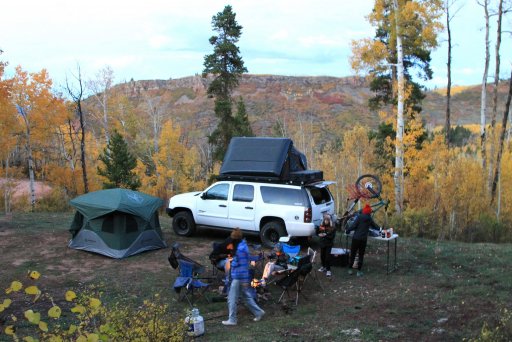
[{"x": 195, "y": 323}]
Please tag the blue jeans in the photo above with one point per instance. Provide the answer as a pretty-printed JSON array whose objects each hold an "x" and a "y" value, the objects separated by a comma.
[{"x": 247, "y": 297}]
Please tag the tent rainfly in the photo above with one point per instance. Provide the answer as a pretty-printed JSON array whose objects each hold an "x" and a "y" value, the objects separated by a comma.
[{"x": 116, "y": 223}]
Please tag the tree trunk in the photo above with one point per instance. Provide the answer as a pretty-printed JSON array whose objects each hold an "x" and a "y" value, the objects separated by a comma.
[
  {"x": 82, "y": 147},
  {"x": 501, "y": 142},
  {"x": 483, "y": 98},
  {"x": 31, "y": 169},
  {"x": 7, "y": 187},
  {"x": 77, "y": 98},
  {"x": 449, "y": 82},
  {"x": 399, "y": 149},
  {"x": 495, "y": 91}
]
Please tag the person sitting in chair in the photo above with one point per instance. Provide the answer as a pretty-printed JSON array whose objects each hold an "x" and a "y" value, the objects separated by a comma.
[
  {"x": 223, "y": 252},
  {"x": 277, "y": 261}
]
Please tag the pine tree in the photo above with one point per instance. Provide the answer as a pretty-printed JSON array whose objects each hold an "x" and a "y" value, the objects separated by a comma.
[
  {"x": 119, "y": 164},
  {"x": 242, "y": 125},
  {"x": 227, "y": 65}
]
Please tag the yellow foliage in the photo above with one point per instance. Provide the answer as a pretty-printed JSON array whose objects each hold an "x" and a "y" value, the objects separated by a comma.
[
  {"x": 32, "y": 290},
  {"x": 10, "y": 330},
  {"x": 454, "y": 90},
  {"x": 43, "y": 326},
  {"x": 70, "y": 295},
  {"x": 34, "y": 275},
  {"x": 32, "y": 317},
  {"x": 7, "y": 302},
  {"x": 54, "y": 312},
  {"x": 176, "y": 166},
  {"x": 15, "y": 287},
  {"x": 149, "y": 322},
  {"x": 368, "y": 54},
  {"x": 80, "y": 309},
  {"x": 94, "y": 303}
]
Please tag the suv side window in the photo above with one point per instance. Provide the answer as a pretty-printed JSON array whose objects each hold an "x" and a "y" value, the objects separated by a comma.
[
  {"x": 218, "y": 192},
  {"x": 284, "y": 196},
  {"x": 320, "y": 195},
  {"x": 243, "y": 193}
]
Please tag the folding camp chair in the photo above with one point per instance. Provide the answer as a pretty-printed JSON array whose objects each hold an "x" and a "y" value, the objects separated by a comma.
[
  {"x": 295, "y": 279},
  {"x": 312, "y": 255},
  {"x": 188, "y": 284},
  {"x": 291, "y": 252}
]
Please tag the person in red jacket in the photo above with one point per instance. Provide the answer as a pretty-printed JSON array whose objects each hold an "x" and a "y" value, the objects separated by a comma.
[{"x": 361, "y": 227}]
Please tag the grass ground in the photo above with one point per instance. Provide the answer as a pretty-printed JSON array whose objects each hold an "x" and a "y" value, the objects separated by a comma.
[{"x": 442, "y": 291}]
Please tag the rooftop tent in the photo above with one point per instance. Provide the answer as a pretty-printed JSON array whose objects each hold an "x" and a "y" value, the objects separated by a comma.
[
  {"x": 116, "y": 223},
  {"x": 272, "y": 158}
]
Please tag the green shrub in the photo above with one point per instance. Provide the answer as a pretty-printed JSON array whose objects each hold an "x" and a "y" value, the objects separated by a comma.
[
  {"x": 30, "y": 315},
  {"x": 487, "y": 229},
  {"x": 56, "y": 201},
  {"x": 502, "y": 330},
  {"x": 418, "y": 222}
]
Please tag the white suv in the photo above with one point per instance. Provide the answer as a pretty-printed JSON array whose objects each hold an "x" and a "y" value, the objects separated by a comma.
[{"x": 272, "y": 210}]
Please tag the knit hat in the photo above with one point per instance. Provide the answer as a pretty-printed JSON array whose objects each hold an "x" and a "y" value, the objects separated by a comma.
[
  {"x": 367, "y": 209},
  {"x": 236, "y": 234}
]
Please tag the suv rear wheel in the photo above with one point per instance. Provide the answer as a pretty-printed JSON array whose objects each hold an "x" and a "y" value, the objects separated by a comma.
[
  {"x": 271, "y": 232},
  {"x": 183, "y": 224}
]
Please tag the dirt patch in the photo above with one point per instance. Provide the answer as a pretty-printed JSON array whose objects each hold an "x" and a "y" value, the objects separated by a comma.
[{"x": 21, "y": 188}]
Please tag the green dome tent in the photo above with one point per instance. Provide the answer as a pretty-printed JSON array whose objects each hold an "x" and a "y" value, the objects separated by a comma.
[{"x": 116, "y": 223}]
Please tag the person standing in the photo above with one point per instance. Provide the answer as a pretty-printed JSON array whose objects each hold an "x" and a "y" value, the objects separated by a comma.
[
  {"x": 240, "y": 281},
  {"x": 326, "y": 232},
  {"x": 361, "y": 227}
]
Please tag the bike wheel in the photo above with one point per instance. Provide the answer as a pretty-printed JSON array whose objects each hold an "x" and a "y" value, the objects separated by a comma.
[{"x": 370, "y": 185}]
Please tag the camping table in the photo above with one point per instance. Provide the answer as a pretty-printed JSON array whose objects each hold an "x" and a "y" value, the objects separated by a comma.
[{"x": 379, "y": 238}]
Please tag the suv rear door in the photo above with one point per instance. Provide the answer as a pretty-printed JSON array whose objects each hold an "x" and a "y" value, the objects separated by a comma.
[{"x": 321, "y": 201}]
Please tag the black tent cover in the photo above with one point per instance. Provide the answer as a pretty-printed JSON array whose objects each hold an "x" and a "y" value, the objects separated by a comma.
[{"x": 265, "y": 159}]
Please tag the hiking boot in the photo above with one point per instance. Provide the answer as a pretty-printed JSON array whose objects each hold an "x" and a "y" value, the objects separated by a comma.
[
  {"x": 322, "y": 269},
  {"x": 259, "y": 317},
  {"x": 360, "y": 273},
  {"x": 228, "y": 322},
  {"x": 328, "y": 273},
  {"x": 350, "y": 272}
]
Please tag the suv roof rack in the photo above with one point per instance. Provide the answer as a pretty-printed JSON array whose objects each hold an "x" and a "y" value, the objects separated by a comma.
[{"x": 304, "y": 177}]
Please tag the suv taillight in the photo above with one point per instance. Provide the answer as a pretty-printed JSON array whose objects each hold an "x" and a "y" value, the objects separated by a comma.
[{"x": 308, "y": 215}]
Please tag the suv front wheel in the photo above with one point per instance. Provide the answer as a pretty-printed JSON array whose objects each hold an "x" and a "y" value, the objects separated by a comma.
[
  {"x": 271, "y": 232},
  {"x": 183, "y": 224}
]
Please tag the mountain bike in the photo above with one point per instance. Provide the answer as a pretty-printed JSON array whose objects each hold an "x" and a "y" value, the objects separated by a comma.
[{"x": 367, "y": 187}]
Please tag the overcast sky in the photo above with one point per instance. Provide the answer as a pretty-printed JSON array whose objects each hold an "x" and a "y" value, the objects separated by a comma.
[{"x": 162, "y": 39}]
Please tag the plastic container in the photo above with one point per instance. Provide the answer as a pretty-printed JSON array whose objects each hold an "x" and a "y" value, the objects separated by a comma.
[{"x": 195, "y": 323}]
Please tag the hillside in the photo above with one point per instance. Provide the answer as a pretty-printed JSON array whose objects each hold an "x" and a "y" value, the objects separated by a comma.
[{"x": 275, "y": 102}]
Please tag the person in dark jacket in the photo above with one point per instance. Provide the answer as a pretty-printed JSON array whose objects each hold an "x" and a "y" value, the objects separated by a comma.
[
  {"x": 361, "y": 227},
  {"x": 326, "y": 232}
]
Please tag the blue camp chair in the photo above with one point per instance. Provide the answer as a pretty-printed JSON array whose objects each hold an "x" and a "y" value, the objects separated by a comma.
[
  {"x": 292, "y": 252},
  {"x": 188, "y": 283}
]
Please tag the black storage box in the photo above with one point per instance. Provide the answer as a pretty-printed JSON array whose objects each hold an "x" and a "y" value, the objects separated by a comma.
[
  {"x": 339, "y": 257},
  {"x": 306, "y": 176}
]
